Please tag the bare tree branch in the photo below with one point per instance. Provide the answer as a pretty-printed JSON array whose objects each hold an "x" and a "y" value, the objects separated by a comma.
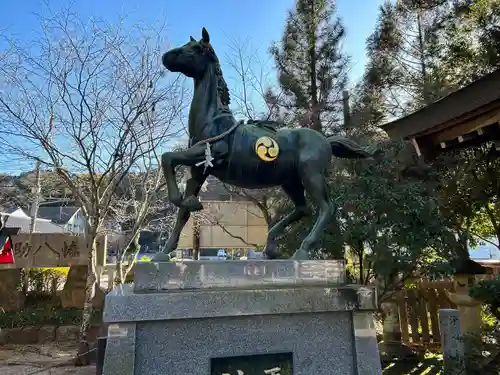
[
  {"x": 253, "y": 80},
  {"x": 88, "y": 100},
  {"x": 229, "y": 233},
  {"x": 253, "y": 84}
]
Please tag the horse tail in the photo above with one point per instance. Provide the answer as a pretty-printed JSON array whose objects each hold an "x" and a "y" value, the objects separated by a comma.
[{"x": 348, "y": 149}]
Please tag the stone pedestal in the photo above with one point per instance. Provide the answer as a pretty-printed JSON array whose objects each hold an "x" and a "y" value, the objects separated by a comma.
[
  {"x": 218, "y": 317},
  {"x": 470, "y": 313},
  {"x": 392, "y": 347},
  {"x": 452, "y": 342},
  {"x": 73, "y": 293},
  {"x": 11, "y": 296},
  {"x": 469, "y": 308}
]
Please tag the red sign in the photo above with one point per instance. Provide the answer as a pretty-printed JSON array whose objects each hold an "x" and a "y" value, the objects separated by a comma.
[{"x": 6, "y": 253}]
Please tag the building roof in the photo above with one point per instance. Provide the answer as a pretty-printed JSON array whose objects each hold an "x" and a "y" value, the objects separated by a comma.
[
  {"x": 461, "y": 103},
  {"x": 57, "y": 214},
  {"x": 41, "y": 225},
  {"x": 15, "y": 211},
  {"x": 58, "y": 202}
]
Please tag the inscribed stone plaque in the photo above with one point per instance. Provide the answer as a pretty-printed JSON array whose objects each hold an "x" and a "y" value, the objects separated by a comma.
[
  {"x": 149, "y": 276},
  {"x": 262, "y": 364}
]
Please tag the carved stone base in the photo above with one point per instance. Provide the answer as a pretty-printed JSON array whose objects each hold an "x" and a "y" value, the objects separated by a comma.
[
  {"x": 11, "y": 297},
  {"x": 73, "y": 293},
  {"x": 240, "y": 308}
]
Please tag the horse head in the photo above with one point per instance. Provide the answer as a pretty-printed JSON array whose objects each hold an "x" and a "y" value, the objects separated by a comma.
[{"x": 194, "y": 59}]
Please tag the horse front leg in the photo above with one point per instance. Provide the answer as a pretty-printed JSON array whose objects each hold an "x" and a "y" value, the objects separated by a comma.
[
  {"x": 169, "y": 161},
  {"x": 193, "y": 187}
]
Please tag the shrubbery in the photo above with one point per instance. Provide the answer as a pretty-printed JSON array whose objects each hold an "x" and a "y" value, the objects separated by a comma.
[
  {"x": 43, "y": 316},
  {"x": 488, "y": 291}
]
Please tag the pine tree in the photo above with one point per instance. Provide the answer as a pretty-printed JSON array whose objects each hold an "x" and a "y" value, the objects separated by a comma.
[
  {"x": 402, "y": 55},
  {"x": 312, "y": 69},
  {"x": 469, "y": 34}
]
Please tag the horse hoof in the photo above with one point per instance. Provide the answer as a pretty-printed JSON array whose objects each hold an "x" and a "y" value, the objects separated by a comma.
[
  {"x": 271, "y": 250},
  {"x": 192, "y": 204},
  {"x": 300, "y": 255},
  {"x": 271, "y": 253},
  {"x": 177, "y": 202},
  {"x": 161, "y": 257}
]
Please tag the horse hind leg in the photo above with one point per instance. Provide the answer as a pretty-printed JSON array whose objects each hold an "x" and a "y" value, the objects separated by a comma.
[
  {"x": 315, "y": 184},
  {"x": 295, "y": 192}
]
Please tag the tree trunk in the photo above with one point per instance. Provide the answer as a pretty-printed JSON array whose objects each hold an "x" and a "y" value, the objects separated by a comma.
[
  {"x": 119, "y": 272},
  {"x": 461, "y": 250},
  {"x": 423, "y": 66},
  {"x": 360, "y": 250},
  {"x": 346, "y": 109},
  {"x": 122, "y": 268},
  {"x": 315, "y": 115},
  {"x": 83, "y": 358},
  {"x": 196, "y": 237}
]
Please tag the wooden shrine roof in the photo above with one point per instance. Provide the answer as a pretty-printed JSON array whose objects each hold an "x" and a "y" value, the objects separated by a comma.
[{"x": 469, "y": 115}]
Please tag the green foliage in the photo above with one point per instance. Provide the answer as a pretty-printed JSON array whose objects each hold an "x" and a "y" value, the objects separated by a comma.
[
  {"x": 43, "y": 281},
  {"x": 482, "y": 356},
  {"x": 43, "y": 316},
  {"x": 388, "y": 223},
  {"x": 436, "y": 268},
  {"x": 488, "y": 291},
  {"x": 467, "y": 190},
  {"x": 391, "y": 223},
  {"x": 469, "y": 40},
  {"x": 312, "y": 69},
  {"x": 16, "y": 190},
  {"x": 401, "y": 51},
  {"x": 488, "y": 320},
  {"x": 404, "y": 214}
]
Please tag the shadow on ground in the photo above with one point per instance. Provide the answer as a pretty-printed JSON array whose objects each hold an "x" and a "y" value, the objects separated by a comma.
[{"x": 427, "y": 366}]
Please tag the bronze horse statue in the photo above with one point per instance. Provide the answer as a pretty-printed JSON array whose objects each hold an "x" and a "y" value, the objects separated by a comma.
[{"x": 253, "y": 155}]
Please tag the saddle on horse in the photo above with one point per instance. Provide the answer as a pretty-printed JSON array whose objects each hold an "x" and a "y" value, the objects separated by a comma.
[{"x": 268, "y": 125}]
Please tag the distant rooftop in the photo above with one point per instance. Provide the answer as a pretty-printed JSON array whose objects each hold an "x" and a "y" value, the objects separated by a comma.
[
  {"x": 57, "y": 214},
  {"x": 41, "y": 225},
  {"x": 14, "y": 210}
]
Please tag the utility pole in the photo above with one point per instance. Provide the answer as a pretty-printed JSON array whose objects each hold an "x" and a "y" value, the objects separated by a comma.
[{"x": 36, "y": 190}]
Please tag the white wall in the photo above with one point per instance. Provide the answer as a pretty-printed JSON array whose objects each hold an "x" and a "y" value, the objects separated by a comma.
[
  {"x": 19, "y": 213},
  {"x": 76, "y": 224}
]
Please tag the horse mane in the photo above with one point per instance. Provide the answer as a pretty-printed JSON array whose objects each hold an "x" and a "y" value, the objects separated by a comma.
[{"x": 222, "y": 88}]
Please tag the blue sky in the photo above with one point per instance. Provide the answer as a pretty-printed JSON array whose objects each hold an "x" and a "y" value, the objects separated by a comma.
[
  {"x": 260, "y": 21},
  {"x": 257, "y": 23}
]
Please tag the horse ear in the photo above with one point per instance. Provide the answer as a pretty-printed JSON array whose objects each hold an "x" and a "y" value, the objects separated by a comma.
[
  {"x": 191, "y": 39},
  {"x": 205, "y": 36}
]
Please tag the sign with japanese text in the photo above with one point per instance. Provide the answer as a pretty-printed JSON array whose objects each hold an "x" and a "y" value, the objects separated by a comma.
[
  {"x": 49, "y": 250},
  {"x": 261, "y": 364}
]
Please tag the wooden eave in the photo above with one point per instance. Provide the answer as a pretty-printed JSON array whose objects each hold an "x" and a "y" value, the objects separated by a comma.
[{"x": 463, "y": 111}]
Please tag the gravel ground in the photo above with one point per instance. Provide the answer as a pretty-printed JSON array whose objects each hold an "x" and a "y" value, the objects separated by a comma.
[{"x": 40, "y": 359}]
